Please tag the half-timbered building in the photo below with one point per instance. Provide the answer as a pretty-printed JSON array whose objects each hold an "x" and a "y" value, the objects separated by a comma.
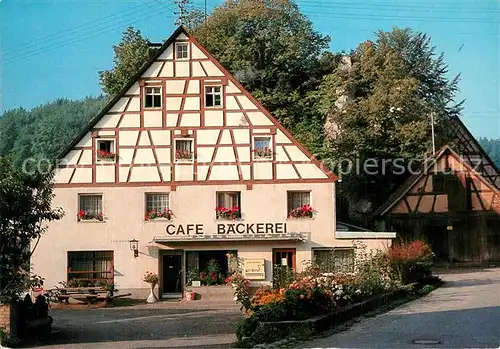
[
  {"x": 453, "y": 203},
  {"x": 181, "y": 168}
]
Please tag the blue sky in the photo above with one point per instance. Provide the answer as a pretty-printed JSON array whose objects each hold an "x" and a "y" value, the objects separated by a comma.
[{"x": 54, "y": 49}]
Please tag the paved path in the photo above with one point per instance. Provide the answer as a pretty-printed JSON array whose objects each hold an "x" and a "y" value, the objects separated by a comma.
[
  {"x": 162, "y": 325},
  {"x": 464, "y": 313}
]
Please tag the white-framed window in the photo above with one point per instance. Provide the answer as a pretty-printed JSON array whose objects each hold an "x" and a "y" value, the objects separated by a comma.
[
  {"x": 228, "y": 205},
  {"x": 184, "y": 149},
  {"x": 152, "y": 97},
  {"x": 213, "y": 96},
  {"x": 340, "y": 259},
  {"x": 157, "y": 206},
  {"x": 262, "y": 148},
  {"x": 105, "y": 150},
  {"x": 157, "y": 201},
  {"x": 181, "y": 50},
  {"x": 90, "y": 207}
]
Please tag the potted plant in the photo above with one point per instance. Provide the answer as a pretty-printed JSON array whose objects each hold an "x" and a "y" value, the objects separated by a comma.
[
  {"x": 153, "y": 214},
  {"x": 304, "y": 211},
  {"x": 85, "y": 216},
  {"x": 152, "y": 279},
  {"x": 228, "y": 213},
  {"x": 193, "y": 278},
  {"x": 105, "y": 155},
  {"x": 213, "y": 271},
  {"x": 263, "y": 153},
  {"x": 183, "y": 154}
]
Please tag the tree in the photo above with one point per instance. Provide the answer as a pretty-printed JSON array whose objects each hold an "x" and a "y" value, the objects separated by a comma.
[
  {"x": 44, "y": 131},
  {"x": 25, "y": 208},
  {"x": 273, "y": 50},
  {"x": 378, "y": 104},
  {"x": 130, "y": 55},
  {"x": 492, "y": 147}
]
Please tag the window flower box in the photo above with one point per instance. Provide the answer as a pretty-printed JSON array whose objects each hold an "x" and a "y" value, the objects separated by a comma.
[
  {"x": 105, "y": 155},
  {"x": 228, "y": 213},
  {"x": 89, "y": 216},
  {"x": 183, "y": 155},
  {"x": 153, "y": 214},
  {"x": 304, "y": 211},
  {"x": 263, "y": 153}
]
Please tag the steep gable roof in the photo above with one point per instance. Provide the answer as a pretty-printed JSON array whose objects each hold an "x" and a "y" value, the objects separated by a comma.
[
  {"x": 473, "y": 153},
  {"x": 404, "y": 189},
  {"x": 292, "y": 161},
  {"x": 127, "y": 86}
]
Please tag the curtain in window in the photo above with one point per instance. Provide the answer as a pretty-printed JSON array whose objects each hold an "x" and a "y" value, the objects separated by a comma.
[
  {"x": 297, "y": 199},
  {"x": 157, "y": 202},
  {"x": 91, "y": 203}
]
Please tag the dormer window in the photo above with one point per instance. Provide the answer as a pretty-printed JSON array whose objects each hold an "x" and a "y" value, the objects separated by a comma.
[
  {"x": 152, "y": 97},
  {"x": 213, "y": 96},
  {"x": 181, "y": 50},
  {"x": 105, "y": 150}
]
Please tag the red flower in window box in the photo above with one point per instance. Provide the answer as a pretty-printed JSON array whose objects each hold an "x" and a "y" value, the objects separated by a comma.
[
  {"x": 85, "y": 216},
  {"x": 304, "y": 211},
  {"x": 183, "y": 154},
  {"x": 105, "y": 155},
  {"x": 228, "y": 213},
  {"x": 153, "y": 214},
  {"x": 263, "y": 152}
]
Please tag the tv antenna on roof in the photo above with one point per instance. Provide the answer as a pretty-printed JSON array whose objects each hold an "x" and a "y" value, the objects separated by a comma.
[{"x": 182, "y": 11}]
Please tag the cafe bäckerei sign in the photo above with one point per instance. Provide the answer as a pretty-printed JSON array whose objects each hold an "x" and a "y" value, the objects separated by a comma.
[{"x": 227, "y": 229}]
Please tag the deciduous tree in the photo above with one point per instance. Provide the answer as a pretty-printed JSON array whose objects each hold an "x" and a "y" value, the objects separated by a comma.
[
  {"x": 378, "y": 105},
  {"x": 130, "y": 55},
  {"x": 25, "y": 209}
]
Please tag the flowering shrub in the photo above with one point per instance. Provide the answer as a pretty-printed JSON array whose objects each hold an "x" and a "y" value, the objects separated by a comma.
[
  {"x": 241, "y": 287},
  {"x": 313, "y": 292},
  {"x": 228, "y": 213},
  {"x": 266, "y": 295},
  {"x": 150, "y": 277},
  {"x": 153, "y": 214},
  {"x": 411, "y": 261},
  {"x": 263, "y": 152},
  {"x": 85, "y": 215},
  {"x": 105, "y": 155},
  {"x": 183, "y": 154},
  {"x": 304, "y": 211}
]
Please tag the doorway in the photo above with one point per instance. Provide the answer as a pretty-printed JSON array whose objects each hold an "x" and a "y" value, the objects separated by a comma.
[
  {"x": 284, "y": 257},
  {"x": 171, "y": 274},
  {"x": 437, "y": 236}
]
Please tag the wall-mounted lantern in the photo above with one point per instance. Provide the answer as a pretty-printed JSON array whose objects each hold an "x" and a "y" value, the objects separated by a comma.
[{"x": 134, "y": 246}]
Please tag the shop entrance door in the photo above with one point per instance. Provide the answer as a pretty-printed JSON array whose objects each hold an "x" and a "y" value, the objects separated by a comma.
[{"x": 171, "y": 275}]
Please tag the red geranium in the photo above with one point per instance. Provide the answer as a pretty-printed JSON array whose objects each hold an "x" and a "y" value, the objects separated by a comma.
[
  {"x": 228, "y": 213},
  {"x": 304, "y": 211}
]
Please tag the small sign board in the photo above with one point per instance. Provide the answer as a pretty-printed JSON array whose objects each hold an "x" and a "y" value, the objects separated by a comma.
[{"x": 254, "y": 269}]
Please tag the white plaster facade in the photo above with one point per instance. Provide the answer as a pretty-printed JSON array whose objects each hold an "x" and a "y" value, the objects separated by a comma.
[{"x": 222, "y": 141}]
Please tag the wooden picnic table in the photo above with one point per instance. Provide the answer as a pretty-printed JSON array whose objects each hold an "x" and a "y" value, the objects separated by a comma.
[{"x": 87, "y": 294}]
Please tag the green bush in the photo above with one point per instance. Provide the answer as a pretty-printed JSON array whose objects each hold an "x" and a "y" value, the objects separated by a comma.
[
  {"x": 270, "y": 312},
  {"x": 283, "y": 276},
  {"x": 427, "y": 289}
]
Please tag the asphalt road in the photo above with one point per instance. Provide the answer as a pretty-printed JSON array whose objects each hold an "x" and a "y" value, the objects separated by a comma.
[
  {"x": 464, "y": 313},
  {"x": 156, "y": 326}
]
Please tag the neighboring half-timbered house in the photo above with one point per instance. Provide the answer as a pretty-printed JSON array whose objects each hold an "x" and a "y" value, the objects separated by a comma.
[
  {"x": 181, "y": 169},
  {"x": 451, "y": 204}
]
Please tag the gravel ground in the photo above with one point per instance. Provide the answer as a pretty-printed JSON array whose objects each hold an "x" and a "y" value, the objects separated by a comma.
[{"x": 154, "y": 326}]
